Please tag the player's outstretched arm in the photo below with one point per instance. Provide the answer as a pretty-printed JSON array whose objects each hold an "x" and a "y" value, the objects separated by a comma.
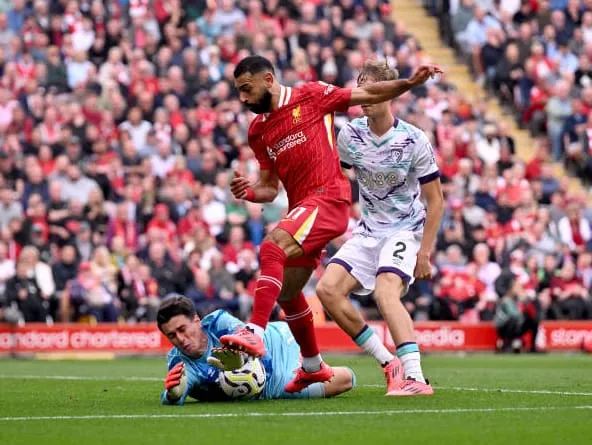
[
  {"x": 265, "y": 190},
  {"x": 377, "y": 92},
  {"x": 176, "y": 386}
]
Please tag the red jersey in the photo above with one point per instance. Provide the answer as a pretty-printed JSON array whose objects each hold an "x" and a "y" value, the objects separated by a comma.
[{"x": 297, "y": 140}]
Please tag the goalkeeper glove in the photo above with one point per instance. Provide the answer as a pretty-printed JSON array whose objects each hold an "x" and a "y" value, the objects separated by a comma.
[
  {"x": 176, "y": 382},
  {"x": 227, "y": 359}
]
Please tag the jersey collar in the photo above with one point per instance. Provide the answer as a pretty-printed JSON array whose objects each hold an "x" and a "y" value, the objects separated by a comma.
[{"x": 285, "y": 96}]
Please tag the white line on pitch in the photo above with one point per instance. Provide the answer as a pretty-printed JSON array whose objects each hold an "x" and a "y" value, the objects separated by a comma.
[
  {"x": 500, "y": 390},
  {"x": 295, "y": 414},
  {"x": 518, "y": 391},
  {"x": 158, "y": 379},
  {"x": 81, "y": 377}
]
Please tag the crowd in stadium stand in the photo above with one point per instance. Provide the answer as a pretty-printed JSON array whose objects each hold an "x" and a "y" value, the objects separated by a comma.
[
  {"x": 537, "y": 55},
  {"x": 120, "y": 129}
]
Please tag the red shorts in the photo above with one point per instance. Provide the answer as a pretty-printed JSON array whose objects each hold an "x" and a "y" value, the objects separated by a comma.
[{"x": 313, "y": 224}]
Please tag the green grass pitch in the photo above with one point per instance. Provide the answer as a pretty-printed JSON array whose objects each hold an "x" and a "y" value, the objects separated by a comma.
[{"x": 480, "y": 399}]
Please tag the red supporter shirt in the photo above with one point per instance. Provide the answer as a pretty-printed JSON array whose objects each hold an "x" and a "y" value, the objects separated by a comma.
[
  {"x": 513, "y": 190},
  {"x": 168, "y": 227},
  {"x": 448, "y": 168},
  {"x": 188, "y": 224},
  {"x": 298, "y": 141},
  {"x": 534, "y": 169},
  {"x": 231, "y": 253}
]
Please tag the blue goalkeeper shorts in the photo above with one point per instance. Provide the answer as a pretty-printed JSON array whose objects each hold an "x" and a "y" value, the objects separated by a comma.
[{"x": 283, "y": 362}]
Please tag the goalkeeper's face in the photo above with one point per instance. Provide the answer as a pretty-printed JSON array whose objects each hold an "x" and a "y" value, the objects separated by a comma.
[{"x": 186, "y": 335}]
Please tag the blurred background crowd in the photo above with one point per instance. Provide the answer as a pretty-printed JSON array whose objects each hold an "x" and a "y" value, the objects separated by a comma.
[{"x": 120, "y": 129}]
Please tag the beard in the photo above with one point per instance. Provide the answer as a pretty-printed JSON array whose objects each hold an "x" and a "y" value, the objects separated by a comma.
[{"x": 263, "y": 106}]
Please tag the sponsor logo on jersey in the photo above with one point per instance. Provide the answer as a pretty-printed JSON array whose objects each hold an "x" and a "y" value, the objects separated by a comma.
[
  {"x": 296, "y": 116},
  {"x": 380, "y": 180},
  {"x": 286, "y": 143}
]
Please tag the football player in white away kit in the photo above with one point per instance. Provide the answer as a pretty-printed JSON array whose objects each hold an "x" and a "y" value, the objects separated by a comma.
[{"x": 394, "y": 162}]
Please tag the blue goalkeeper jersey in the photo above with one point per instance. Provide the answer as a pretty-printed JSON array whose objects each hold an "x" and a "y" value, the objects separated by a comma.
[{"x": 281, "y": 360}]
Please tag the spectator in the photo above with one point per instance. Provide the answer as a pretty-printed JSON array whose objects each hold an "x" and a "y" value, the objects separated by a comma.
[
  {"x": 162, "y": 222},
  {"x": 22, "y": 290},
  {"x": 35, "y": 184},
  {"x": 206, "y": 298},
  {"x": 162, "y": 269},
  {"x": 101, "y": 266},
  {"x": 558, "y": 110},
  {"x": 7, "y": 270},
  {"x": 574, "y": 230},
  {"x": 39, "y": 271},
  {"x": 89, "y": 296},
  {"x": 487, "y": 271},
  {"x": 213, "y": 212},
  {"x": 163, "y": 162},
  {"x": 77, "y": 186},
  {"x": 512, "y": 321},
  {"x": 569, "y": 294},
  {"x": 489, "y": 147},
  {"x": 137, "y": 128},
  {"x": 10, "y": 208},
  {"x": 221, "y": 278},
  {"x": 122, "y": 224},
  {"x": 236, "y": 244},
  {"x": 66, "y": 268},
  {"x": 79, "y": 70}
]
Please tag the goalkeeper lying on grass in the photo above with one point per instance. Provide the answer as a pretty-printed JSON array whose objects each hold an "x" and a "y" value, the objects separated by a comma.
[{"x": 198, "y": 361}]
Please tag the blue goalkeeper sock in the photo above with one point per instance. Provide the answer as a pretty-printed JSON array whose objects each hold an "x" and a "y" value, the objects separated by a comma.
[
  {"x": 409, "y": 355},
  {"x": 369, "y": 342}
]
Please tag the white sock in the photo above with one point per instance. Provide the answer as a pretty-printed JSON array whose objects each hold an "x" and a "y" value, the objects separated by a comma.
[
  {"x": 258, "y": 330},
  {"x": 316, "y": 391},
  {"x": 412, "y": 366},
  {"x": 370, "y": 342},
  {"x": 312, "y": 364}
]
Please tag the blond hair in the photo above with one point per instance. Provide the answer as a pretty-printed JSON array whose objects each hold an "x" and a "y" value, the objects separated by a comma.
[{"x": 377, "y": 71}]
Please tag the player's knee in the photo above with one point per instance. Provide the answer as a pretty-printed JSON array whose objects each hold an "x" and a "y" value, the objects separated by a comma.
[
  {"x": 327, "y": 292},
  {"x": 389, "y": 294},
  {"x": 389, "y": 287},
  {"x": 387, "y": 297},
  {"x": 349, "y": 380},
  {"x": 285, "y": 242},
  {"x": 346, "y": 380},
  {"x": 272, "y": 252}
]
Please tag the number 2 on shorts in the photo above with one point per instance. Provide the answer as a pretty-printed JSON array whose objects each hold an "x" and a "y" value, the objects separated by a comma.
[{"x": 401, "y": 247}]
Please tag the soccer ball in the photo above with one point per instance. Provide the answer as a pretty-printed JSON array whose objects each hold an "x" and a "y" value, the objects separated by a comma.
[{"x": 244, "y": 383}]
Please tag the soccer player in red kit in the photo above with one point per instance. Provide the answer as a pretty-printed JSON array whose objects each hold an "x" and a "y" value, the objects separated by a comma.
[{"x": 293, "y": 139}]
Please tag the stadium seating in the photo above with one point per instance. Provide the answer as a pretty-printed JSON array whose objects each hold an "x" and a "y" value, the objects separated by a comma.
[{"x": 120, "y": 128}]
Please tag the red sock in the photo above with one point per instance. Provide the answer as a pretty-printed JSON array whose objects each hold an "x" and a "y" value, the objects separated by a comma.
[
  {"x": 269, "y": 284},
  {"x": 299, "y": 318}
]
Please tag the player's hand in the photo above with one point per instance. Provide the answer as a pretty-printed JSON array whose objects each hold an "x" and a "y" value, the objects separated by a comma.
[
  {"x": 173, "y": 377},
  {"x": 423, "y": 73},
  {"x": 423, "y": 268},
  {"x": 226, "y": 359},
  {"x": 239, "y": 186}
]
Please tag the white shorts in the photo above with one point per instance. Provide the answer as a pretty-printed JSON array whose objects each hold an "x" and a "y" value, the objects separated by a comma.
[{"x": 365, "y": 258}]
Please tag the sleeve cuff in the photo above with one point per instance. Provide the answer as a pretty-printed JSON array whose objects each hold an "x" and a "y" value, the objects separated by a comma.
[{"x": 429, "y": 178}]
